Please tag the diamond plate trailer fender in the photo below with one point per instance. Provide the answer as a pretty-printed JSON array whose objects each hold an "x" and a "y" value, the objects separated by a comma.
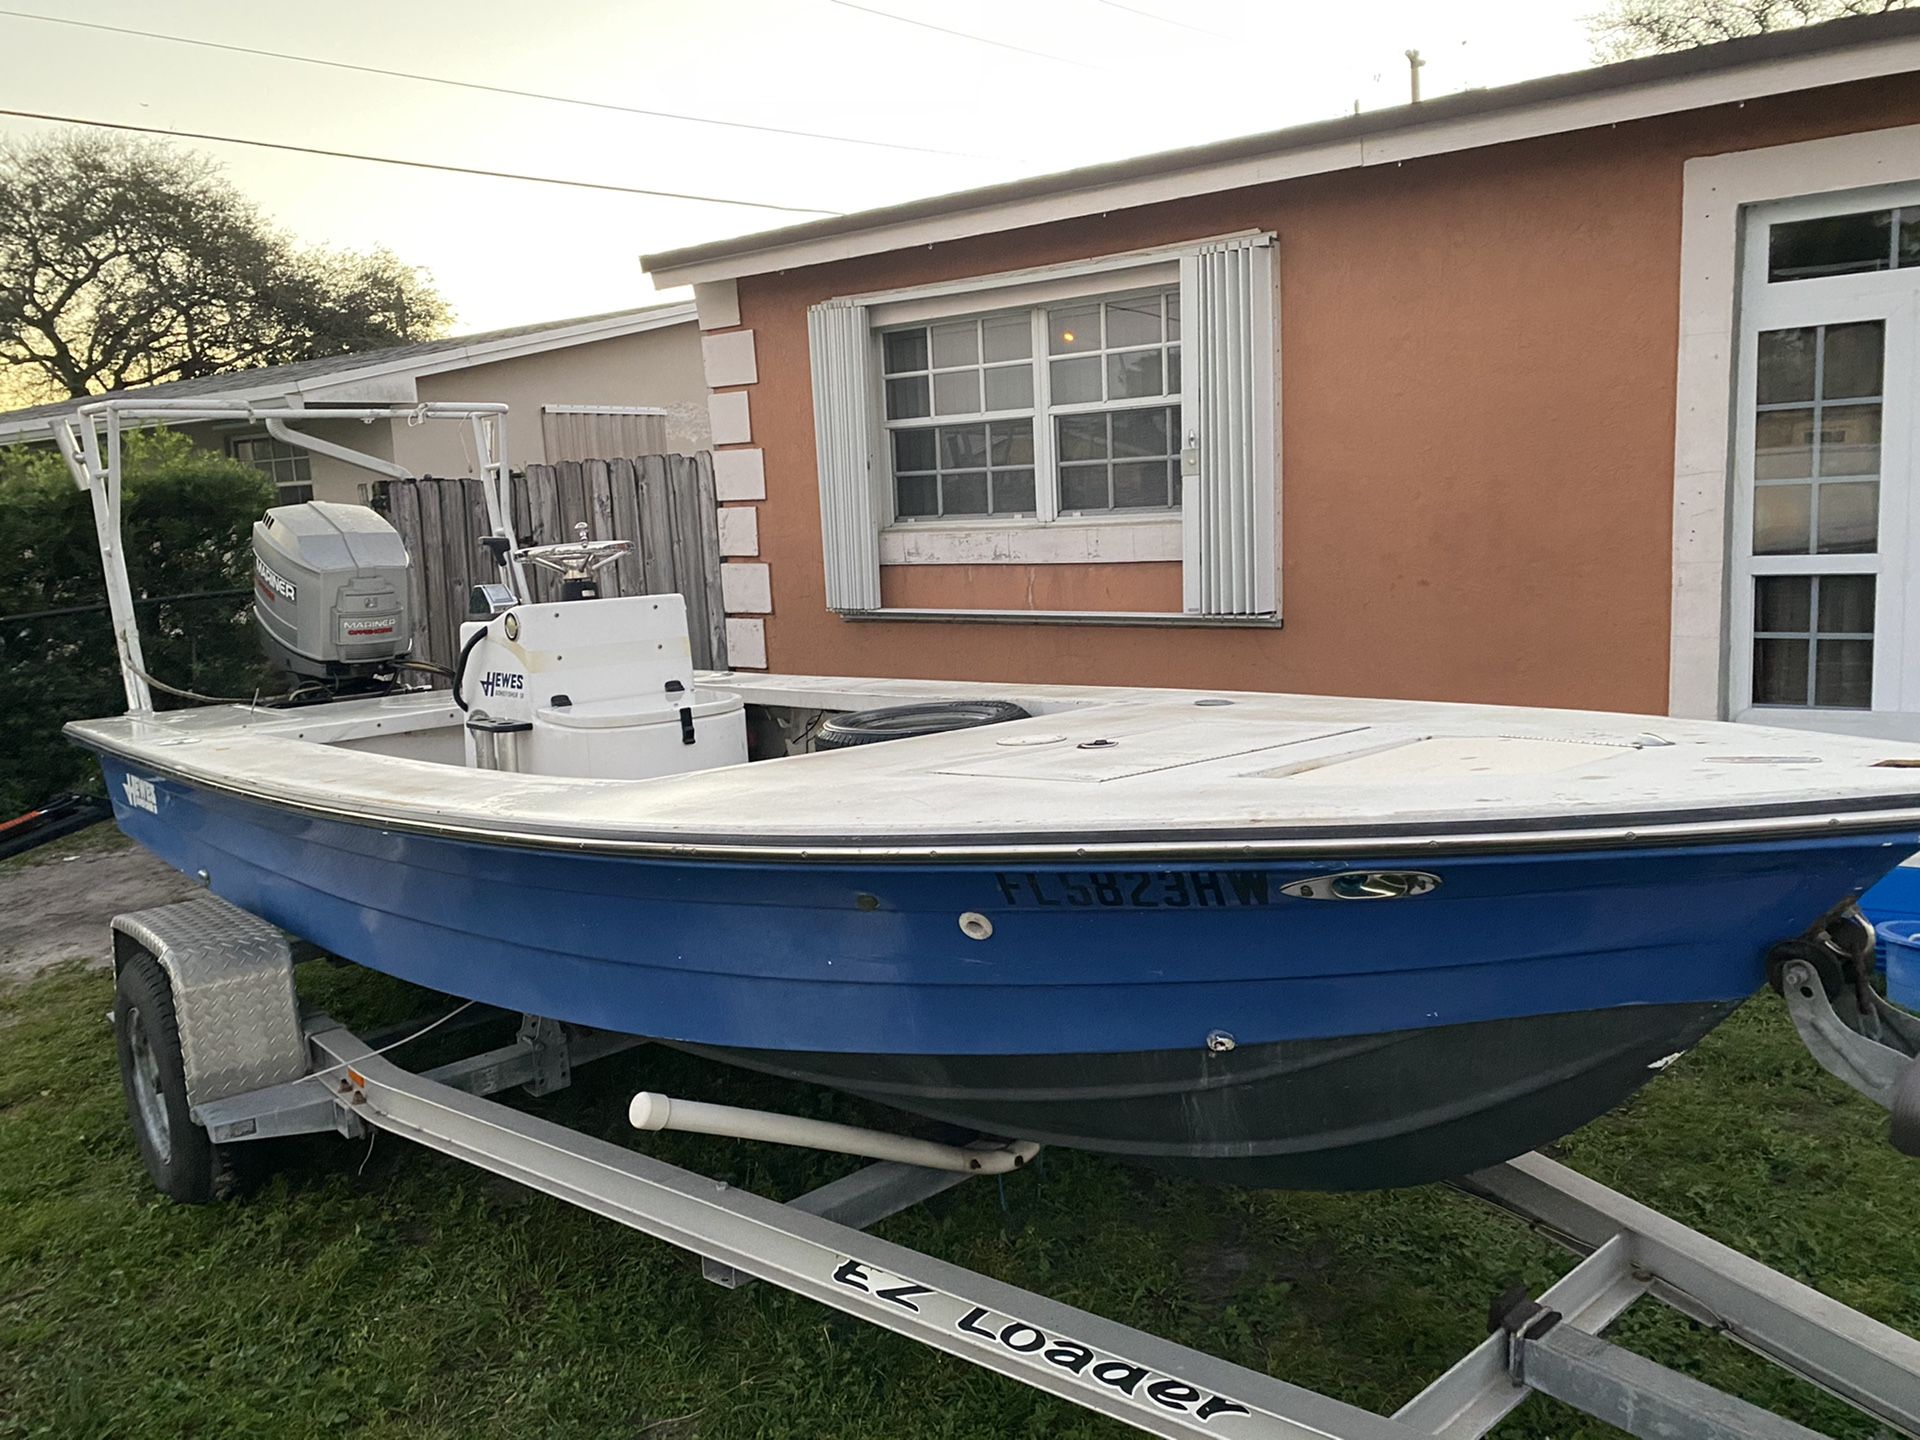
[{"x": 233, "y": 999}]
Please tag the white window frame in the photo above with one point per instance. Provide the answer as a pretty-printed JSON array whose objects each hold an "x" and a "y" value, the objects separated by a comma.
[
  {"x": 1890, "y": 296},
  {"x": 296, "y": 456},
  {"x": 1044, "y": 537},
  {"x": 884, "y": 428},
  {"x": 1041, "y": 413},
  {"x": 1048, "y": 537}
]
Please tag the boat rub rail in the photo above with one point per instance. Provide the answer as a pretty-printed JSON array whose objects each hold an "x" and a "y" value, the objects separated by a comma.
[{"x": 1892, "y": 814}]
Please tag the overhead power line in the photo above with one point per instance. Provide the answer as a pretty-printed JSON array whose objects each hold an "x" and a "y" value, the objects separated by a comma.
[
  {"x": 480, "y": 85},
  {"x": 1152, "y": 15},
  {"x": 413, "y": 164},
  {"x": 965, "y": 35}
]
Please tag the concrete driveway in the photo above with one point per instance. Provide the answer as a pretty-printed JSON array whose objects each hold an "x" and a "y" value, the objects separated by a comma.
[{"x": 55, "y": 902}]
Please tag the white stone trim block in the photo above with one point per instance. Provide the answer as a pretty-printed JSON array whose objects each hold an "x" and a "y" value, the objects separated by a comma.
[
  {"x": 740, "y": 474},
  {"x": 746, "y": 644},
  {"x": 719, "y": 304},
  {"x": 729, "y": 416},
  {"x": 746, "y": 588},
  {"x": 729, "y": 359},
  {"x": 739, "y": 530}
]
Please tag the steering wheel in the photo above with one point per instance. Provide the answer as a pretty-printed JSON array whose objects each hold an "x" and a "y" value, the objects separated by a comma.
[{"x": 578, "y": 557}]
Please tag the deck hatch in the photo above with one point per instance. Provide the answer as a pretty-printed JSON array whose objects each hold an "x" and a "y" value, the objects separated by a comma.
[{"x": 1143, "y": 747}]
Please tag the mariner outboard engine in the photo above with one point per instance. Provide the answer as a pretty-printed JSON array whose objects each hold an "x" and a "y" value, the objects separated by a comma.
[{"x": 330, "y": 593}]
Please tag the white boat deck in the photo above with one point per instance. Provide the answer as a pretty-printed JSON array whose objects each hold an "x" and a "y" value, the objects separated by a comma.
[{"x": 1096, "y": 770}]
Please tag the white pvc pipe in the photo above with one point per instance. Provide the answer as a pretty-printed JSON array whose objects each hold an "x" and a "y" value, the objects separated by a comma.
[
  {"x": 213, "y": 410},
  {"x": 662, "y": 1112},
  {"x": 345, "y": 454}
]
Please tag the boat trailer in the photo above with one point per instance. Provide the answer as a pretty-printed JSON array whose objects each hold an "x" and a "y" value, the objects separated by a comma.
[{"x": 230, "y": 1058}]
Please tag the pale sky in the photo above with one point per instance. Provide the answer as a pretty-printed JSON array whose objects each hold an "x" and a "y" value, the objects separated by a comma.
[{"x": 1110, "y": 80}]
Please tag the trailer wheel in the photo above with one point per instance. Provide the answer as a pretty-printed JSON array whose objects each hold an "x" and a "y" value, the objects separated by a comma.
[{"x": 185, "y": 1165}]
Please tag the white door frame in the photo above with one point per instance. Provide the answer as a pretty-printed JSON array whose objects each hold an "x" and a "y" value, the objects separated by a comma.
[
  {"x": 1888, "y": 297},
  {"x": 1717, "y": 191}
]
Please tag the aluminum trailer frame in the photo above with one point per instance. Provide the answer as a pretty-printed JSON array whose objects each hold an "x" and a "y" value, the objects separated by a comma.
[{"x": 230, "y": 976}]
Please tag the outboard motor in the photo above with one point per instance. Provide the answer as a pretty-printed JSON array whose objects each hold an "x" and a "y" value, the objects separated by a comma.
[{"x": 330, "y": 593}]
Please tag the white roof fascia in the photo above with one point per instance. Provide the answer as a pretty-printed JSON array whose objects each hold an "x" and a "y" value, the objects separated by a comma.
[
  {"x": 514, "y": 346},
  {"x": 325, "y": 387},
  {"x": 1416, "y": 139}
]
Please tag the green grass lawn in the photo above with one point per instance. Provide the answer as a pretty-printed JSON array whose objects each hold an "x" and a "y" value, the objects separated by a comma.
[{"x": 384, "y": 1291}]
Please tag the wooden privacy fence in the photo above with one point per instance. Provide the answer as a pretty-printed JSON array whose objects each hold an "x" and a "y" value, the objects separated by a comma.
[{"x": 664, "y": 504}]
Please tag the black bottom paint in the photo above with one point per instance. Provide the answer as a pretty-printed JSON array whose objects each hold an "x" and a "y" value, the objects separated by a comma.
[{"x": 1357, "y": 1113}]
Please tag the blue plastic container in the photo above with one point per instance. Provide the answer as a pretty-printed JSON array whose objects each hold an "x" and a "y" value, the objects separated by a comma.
[
  {"x": 1895, "y": 898},
  {"x": 1899, "y": 946}
]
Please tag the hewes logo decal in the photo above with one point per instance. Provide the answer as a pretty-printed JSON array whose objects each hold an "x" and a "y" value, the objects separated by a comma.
[
  {"x": 140, "y": 794},
  {"x": 270, "y": 584},
  {"x": 502, "y": 682}
]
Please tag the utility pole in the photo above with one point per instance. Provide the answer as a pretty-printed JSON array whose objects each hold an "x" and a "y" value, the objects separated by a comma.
[{"x": 1414, "y": 62}]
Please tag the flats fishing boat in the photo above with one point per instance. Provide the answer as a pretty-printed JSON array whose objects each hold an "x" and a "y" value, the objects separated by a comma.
[{"x": 1269, "y": 939}]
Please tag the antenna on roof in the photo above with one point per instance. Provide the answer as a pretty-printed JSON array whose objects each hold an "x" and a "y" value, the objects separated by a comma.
[{"x": 1414, "y": 62}]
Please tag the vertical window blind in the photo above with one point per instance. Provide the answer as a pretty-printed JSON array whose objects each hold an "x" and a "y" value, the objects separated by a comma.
[
  {"x": 843, "y": 440},
  {"x": 1229, "y": 516}
]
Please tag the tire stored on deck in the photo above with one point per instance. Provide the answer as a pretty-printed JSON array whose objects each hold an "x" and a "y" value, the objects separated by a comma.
[{"x": 902, "y": 722}]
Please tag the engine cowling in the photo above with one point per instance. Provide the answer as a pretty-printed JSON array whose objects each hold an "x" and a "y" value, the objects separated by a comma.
[{"x": 330, "y": 590}]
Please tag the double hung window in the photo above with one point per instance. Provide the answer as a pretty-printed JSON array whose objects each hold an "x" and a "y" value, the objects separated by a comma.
[
  {"x": 288, "y": 466},
  {"x": 1133, "y": 391},
  {"x": 1069, "y": 409}
]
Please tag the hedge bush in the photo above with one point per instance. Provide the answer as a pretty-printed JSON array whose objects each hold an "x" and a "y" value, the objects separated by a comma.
[{"x": 187, "y": 517}]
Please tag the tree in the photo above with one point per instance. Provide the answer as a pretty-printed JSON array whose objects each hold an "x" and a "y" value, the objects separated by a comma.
[
  {"x": 187, "y": 523},
  {"x": 132, "y": 263},
  {"x": 1627, "y": 28}
]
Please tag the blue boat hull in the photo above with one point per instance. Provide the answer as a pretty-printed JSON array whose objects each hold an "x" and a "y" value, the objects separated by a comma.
[
  {"x": 1364, "y": 1112},
  {"x": 1525, "y": 994}
]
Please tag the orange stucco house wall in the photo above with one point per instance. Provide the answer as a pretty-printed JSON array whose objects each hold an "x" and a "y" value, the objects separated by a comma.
[{"x": 1476, "y": 390}]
